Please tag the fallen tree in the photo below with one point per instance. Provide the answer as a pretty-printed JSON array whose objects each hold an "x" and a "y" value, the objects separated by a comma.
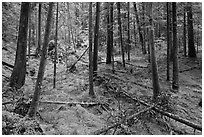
[
  {"x": 7, "y": 64},
  {"x": 100, "y": 131},
  {"x": 73, "y": 65}
]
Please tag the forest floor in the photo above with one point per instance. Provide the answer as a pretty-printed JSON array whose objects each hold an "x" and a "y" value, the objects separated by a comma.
[{"x": 68, "y": 109}]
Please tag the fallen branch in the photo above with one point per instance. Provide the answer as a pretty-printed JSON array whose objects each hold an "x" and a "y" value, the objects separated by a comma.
[
  {"x": 181, "y": 71},
  {"x": 7, "y": 64},
  {"x": 100, "y": 131},
  {"x": 170, "y": 115},
  {"x": 136, "y": 65},
  {"x": 79, "y": 58},
  {"x": 70, "y": 103},
  {"x": 8, "y": 102}
]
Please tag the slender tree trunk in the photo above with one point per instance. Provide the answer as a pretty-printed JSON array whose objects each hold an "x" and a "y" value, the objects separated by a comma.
[
  {"x": 139, "y": 28},
  {"x": 184, "y": 31},
  {"x": 168, "y": 42},
  {"x": 191, "y": 45},
  {"x": 38, "y": 49},
  {"x": 56, "y": 35},
  {"x": 120, "y": 33},
  {"x": 29, "y": 34},
  {"x": 175, "y": 84},
  {"x": 155, "y": 77},
  {"x": 91, "y": 89},
  {"x": 17, "y": 78},
  {"x": 143, "y": 27},
  {"x": 128, "y": 5},
  {"x": 96, "y": 33},
  {"x": 135, "y": 35},
  {"x": 108, "y": 58},
  {"x": 38, "y": 86}
]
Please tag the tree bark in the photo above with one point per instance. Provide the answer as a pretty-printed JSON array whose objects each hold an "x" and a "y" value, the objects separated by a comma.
[
  {"x": 38, "y": 85},
  {"x": 108, "y": 58},
  {"x": 96, "y": 33},
  {"x": 168, "y": 42},
  {"x": 139, "y": 28},
  {"x": 128, "y": 9},
  {"x": 17, "y": 78},
  {"x": 120, "y": 33},
  {"x": 175, "y": 84},
  {"x": 191, "y": 45},
  {"x": 184, "y": 31},
  {"x": 155, "y": 77},
  {"x": 91, "y": 88},
  {"x": 56, "y": 35},
  {"x": 39, "y": 32}
]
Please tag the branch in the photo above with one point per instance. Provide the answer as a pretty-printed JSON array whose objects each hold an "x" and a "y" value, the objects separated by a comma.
[
  {"x": 170, "y": 115},
  {"x": 181, "y": 71},
  {"x": 70, "y": 103},
  {"x": 7, "y": 64},
  {"x": 100, "y": 131},
  {"x": 79, "y": 58}
]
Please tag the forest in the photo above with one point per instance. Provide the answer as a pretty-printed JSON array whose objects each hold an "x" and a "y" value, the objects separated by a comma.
[{"x": 101, "y": 68}]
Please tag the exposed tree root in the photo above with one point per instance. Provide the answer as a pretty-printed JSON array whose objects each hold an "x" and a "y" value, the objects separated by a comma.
[{"x": 7, "y": 64}]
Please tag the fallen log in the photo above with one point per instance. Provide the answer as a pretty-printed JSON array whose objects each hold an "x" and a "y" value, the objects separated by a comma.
[
  {"x": 70, "y": 103},
  {"x": 189, "y": 69},
  {"x": 73, "y": 65},
  {"x": 100, "y": 131},
  {"x": 170, "y": 115}
]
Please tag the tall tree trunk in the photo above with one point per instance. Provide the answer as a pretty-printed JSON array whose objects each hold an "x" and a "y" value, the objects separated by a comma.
[
  {"x": 175, "y": 84},
  {"x": 91, "y": 89},
  {"x": 191, "y": 46},
  {"x": 96, "y": 33},
  {"x": 38, "y": 85},
  {"x": 111, "y": 27},
  {"x": 139, "y": 28},
  {"x": 168, "y": 42},
  {"x": 56, "y": 35},
  {"x": 29, "y": 33},
  {"x": 143, "y": 27},
  {"x": 108, "y": 58},
  {"x": 128, "y": 9},
  {"x": 135, "y": 35},
  {"x": 184, "y": 31},
  {"x": 38, "y": 49},
  {"x": 17, "y": 78},
  {"x": 155, "y": 77},
  {"x": 120, "y": 33}
]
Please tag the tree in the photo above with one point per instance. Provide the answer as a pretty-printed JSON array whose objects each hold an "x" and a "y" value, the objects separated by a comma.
[
  {"x": 128, "y": 9},
  {"x": 96, "y": 33},
  {"x": 56, "y": 34},
  {"x": 168, "y": 41},
  {"x": 191, "y": 46},
  {"x": 38, "y": 85},
  {"x": 139, "y": 29},
  {"x": 91, "y": 89},
  {"x": 155, "y": 77},
  {"x": 175, "y": 84},
  {"x": 109, "y": 32},
  {"x": 17, "y": 78},
  {"x": 184, "y": 30},
  {"x": 120, "y": 33},
  {"x": 39, "y": 32}
]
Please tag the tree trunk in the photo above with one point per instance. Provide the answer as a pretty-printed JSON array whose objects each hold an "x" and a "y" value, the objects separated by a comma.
[
  {"x": 128, "y": 6},
  {"x": 155, "y": 77},
  {"x": 143, "y": 27},
  {"x": 191, "y": 46},
  {"x": 184, "y": 31},
  {"x": 91, "y": 89},
  {"x": 139, "y": 28},
  {"x": 108, "y": 58},
  {"x": 96, "y": 33},
  {"x": 175, "y": 84},
  {"x": 39, "y": 32},
  {"x": 17, "y": 78},
  {"x": 135, "y": 35},
  {"x": 56, "y": 35},
  {"x": 120, "y": 33},
  {"x": 29, "y": 33},
  {"x": 38, "y": 85},
  {"x": 168, "y": 42}
]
